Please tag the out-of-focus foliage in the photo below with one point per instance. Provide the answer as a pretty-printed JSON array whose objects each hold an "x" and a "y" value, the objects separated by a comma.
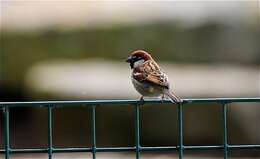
[{"x": 209, "y": 43}]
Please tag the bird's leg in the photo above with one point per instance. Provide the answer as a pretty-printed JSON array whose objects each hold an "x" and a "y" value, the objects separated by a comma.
[
  {"x": 163, "y": 97},
  {"x": 142, "y": 100}
]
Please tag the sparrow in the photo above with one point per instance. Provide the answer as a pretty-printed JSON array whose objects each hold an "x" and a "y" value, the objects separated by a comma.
[{"x": 148, "y": 78}]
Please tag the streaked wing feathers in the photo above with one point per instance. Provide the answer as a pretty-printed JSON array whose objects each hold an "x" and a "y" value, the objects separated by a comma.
[{"x": 151, "y": 72}]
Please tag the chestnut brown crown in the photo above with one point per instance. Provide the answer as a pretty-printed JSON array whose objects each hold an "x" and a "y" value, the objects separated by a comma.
[{"x": 141, "y": 54}]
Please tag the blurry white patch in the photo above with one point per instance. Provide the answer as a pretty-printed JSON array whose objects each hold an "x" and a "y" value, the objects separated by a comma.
[
  {"x": 81, "y": 79},
  {"x": 97, "y": 78}
]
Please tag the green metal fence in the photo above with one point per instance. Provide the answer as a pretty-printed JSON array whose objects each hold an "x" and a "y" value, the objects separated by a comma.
[{"x": 138, "y": 148}]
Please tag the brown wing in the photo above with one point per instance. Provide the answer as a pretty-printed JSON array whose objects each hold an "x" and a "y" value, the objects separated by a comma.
[{"x": 151, "y": 72}]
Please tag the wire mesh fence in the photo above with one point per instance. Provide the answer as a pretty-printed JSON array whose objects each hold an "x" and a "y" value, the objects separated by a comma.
[{"x": 138, "y": 148}]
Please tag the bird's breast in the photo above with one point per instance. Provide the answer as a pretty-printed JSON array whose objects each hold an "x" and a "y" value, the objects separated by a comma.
[{"x": 146, "y": 89}]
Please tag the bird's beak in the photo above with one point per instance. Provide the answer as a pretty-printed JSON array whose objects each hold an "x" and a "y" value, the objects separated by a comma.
[{"x": 129, "y": 59}]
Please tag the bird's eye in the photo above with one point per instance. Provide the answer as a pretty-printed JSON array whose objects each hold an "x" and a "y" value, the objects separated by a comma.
[
  {"x": 139, "y": 58},
  {"x": 136, "y": 58}
]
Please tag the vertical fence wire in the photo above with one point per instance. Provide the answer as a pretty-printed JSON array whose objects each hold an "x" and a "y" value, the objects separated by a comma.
[
  {"x": 6, "y": 132},
  {"x": 93, "y": 115},
  {"x": 137, "y": 131},
  {"x": 50, "y": 148},
  {"x": 225, "y": 140},
  {"x": 180, "y": 127}
]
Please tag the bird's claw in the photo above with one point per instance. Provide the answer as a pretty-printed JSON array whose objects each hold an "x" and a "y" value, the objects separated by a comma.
[{"x": 141, "y": 100}]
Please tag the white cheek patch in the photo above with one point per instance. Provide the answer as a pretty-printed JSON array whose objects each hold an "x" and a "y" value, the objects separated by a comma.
[{"x": 138, "y": 63}]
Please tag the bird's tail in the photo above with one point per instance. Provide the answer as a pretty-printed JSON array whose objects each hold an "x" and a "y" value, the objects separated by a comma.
[{"x": 174, "y": 98}]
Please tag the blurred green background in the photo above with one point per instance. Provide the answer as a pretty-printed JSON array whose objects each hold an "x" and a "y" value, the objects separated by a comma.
[{"x": 75, "y": 50}]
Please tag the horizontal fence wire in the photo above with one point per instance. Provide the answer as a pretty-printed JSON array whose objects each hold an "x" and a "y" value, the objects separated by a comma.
[{"x": 137, "y": 148}]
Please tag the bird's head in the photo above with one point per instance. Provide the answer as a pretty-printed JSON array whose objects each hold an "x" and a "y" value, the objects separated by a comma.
[{"x": 137, "y": 58}]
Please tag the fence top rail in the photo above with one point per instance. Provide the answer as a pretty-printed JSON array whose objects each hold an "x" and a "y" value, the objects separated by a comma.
[{"x": 126, "y": 102}]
